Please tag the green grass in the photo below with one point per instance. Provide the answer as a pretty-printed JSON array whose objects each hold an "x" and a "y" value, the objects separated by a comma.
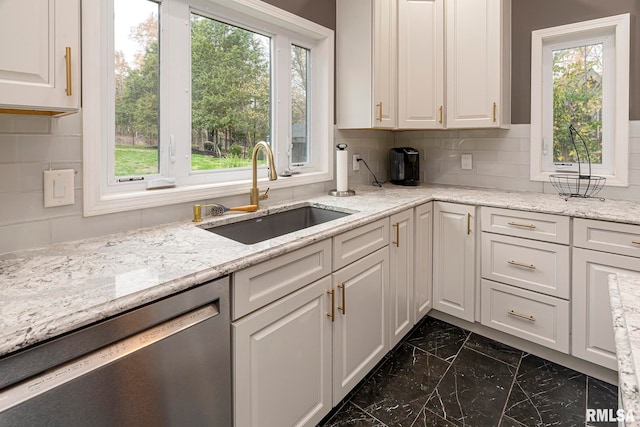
[{"x": 135, "y": 160}]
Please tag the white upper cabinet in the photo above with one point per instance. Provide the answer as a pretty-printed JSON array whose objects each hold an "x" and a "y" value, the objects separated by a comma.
[
  {"x": 40, "y": 60},
  {"x": 436, "y": 63},
  {"x": 366, "y": 63},
  {"x": 421, "y": 64},
  {"x": 478, "y": 52}
]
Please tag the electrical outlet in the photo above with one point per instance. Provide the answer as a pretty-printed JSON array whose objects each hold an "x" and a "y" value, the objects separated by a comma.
[
  {"x": 466, "y": 161},
  {"x": 356, "y": 163}
]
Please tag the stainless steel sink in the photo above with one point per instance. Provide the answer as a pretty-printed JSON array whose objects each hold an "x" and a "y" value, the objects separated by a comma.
[{"x": 267, "y": 227}]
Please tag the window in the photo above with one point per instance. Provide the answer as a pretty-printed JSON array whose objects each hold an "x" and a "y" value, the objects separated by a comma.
[
  {"x": 580, "y": 77},
  {"x": 177, "y": 92}
]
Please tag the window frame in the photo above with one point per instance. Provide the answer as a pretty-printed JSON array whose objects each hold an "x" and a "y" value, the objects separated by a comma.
[
  {"x": 102, "y": 197},
  {"x": 617, "y": 92}
]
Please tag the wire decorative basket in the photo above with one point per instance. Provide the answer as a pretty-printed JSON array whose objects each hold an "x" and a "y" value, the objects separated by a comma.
[{"x": 580, "y": 185}]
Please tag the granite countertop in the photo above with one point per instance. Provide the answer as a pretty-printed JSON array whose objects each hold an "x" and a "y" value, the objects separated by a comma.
[
  {"x": 625, "y": 309},
  {"x": 48, "y": 291}
]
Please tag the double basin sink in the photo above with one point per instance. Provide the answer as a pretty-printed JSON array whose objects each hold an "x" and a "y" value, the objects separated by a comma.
[{"x": 255, "y": 230}]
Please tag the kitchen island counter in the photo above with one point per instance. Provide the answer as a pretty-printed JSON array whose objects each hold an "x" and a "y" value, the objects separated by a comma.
[{"x": 624, "y": 292}]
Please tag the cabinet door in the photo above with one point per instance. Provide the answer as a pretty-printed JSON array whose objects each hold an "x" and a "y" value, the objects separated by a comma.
[
  {"x": 282, "y": 353},
  {"x": 592, "y": 325},
  {"x": 384, "y": 63},
  {"x": 420, "y": 64},
  {"x": 423, "y": 256},
  {"x": 477, "y": 58},
  {"x": 401, "y": 276},
  {"x": 33, "y": 66},
  {"x": 453, "y": 259},
  {"x": 360, "y": 329}
]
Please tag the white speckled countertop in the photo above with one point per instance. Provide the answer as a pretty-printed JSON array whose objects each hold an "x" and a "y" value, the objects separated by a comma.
[
  {"x": 624, "y": 292},
  {"x": 48, "y": 291}
]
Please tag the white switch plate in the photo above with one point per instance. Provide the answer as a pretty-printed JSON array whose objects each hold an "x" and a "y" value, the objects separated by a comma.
[
  {"x": 466, "y": 161},
  {"x": 58, "y": 187}
]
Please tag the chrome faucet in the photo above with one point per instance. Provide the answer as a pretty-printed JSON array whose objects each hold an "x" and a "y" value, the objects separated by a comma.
[{"x": 255, "y": 195}]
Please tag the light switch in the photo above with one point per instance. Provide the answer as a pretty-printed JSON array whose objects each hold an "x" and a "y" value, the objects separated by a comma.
[{"x": 58, "y": 187}]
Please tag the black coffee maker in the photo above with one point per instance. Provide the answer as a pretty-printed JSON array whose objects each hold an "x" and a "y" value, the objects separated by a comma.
[{"x": 404, "y": 166}]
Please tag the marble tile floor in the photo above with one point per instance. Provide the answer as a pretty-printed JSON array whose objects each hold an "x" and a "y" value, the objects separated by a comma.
[{"x": 442, "y": 375}]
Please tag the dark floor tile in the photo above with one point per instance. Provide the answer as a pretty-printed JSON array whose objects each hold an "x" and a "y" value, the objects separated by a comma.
[
  {"x": 439, "y": 338},
  {"x": 510, "y": 422},
  {"x": 351, "y": 415},
  {"x": 427, "y": 418},
  {"x": 494, "y": 349},
  {"x": 474, "y": 390},
  {"x": 396, "y": 393},
  {"x": 601, "y": 396},
  {"x": 546, "y": 393}
]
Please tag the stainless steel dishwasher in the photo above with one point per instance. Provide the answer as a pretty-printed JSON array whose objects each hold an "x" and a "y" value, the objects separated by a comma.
[{"x": 164, "y": 364}]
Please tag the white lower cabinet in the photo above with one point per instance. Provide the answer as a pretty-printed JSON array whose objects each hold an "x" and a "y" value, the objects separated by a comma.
[
  {"x": 401, "y": 276},
  {"x": 423, "y": 261},
  {"x": 529, "y": 315},
  {"x": 454, "y": 259},
  {"x": 282, "y": 353},
  {"x": 360, "y": 320},
  {"x": 592, "y": 324}
]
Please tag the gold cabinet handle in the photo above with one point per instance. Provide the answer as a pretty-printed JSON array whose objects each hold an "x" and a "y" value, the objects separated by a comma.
[
  {"x": 440, "y": 121},
  {"x": 495, "y": 107},
  {"x": 468, "y": 224},
  {"x": 636, "y": 242},
  {"x": 332, "y": 315},
  {"x": 379, "y": 105},
  {"x": 517, "y": 224},
  {"x": 67, "y": 56},
  {"x": 397, "y": 242},
  {"x": 343, "y": 309},
  {"x": 522, "y": 316},
  {"x": 520, "y": 264}
]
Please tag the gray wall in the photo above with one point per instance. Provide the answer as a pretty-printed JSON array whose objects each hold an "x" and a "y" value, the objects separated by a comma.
[
  {"x": 321, "y": 12},
  {"x": 529, "y": 15}
]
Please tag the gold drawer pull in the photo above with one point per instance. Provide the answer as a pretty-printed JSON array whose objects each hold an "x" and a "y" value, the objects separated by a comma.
[
  {"x": 495, "y": 107},
  {"x": 397, "y": 227},
  {"x": 520, "y": 264},
  {"x": 522, "y": 316},
  {"x": 379, "y": 105},
  {"x": 636, "y": 242},
  {"x": 517, "y": 224},
  {"x": 440, "y": 121},
  {"x": 468, "y": 224},
  {"x": 343, "y": 309},
  {"x": 332, "y": 315},
  {"x": 67, "y": 57}
]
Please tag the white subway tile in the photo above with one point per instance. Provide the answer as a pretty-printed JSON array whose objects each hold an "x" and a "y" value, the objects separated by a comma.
[
  {"x": 9, "y": 151},
  {"x": 497, "y": 169},
  {"x": 14, "y": 237},
  {"x": 76, "y": 227},
  {"x": 32, "y": 124},
  {"x": 519, "y": 184},
  {"x": 478, "y": 133},
  {"x": 10, "y": 177},
  {"x": 513, "y": 157}
]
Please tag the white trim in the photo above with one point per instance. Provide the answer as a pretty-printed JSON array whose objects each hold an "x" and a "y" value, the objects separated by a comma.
[
  {"x": 98, "y": 199},
  {"x": 620, "y": 27}
]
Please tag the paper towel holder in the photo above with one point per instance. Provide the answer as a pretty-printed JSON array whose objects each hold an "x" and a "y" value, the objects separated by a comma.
[{"x": 336, "y": 192}]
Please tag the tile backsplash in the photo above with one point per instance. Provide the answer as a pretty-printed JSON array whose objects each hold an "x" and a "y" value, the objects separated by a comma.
[{"x": 29, "y": 145}]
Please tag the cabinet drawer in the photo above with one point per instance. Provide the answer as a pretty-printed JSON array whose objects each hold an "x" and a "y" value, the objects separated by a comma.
[
  {"x": 531, "y": 225},
  {"x": 529, "y": 315},
  {"x": 357, "y": 243},
  {"x": 537, "y": 266},
  {"x": 263, "y": 283},
  {"x": 623, "y": 239}
]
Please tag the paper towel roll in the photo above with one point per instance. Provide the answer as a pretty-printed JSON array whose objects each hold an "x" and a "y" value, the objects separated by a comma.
[{"x": 342, "y": 172}]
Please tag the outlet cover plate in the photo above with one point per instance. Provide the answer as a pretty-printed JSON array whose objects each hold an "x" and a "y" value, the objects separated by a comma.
[
  {"x": 466, "y": 161},
  {"x": 58, "y": 187}
]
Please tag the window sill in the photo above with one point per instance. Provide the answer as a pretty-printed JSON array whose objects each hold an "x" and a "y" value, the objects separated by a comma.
[
  {"x": 612, "y": 180},
  {"x": 96, "y": 203}
]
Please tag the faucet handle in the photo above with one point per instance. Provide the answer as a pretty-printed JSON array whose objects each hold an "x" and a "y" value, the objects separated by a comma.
[{"x": 264, "y": 195}]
